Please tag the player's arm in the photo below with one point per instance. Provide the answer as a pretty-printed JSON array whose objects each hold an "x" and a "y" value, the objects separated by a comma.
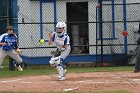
[
  {"x": 67, "y": 43},
  {"x": 50, "y": 38},
  {"x": 16, "y": 46},
  {"x": 66, "y": 49},
  {"x": 16, "y": 43},
  {"x": 2, "y": 42},
  {"x": 17, "y": 50}
]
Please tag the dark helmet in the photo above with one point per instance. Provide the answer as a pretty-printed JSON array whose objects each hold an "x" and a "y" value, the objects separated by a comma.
[{"x": 9, "y": 28}]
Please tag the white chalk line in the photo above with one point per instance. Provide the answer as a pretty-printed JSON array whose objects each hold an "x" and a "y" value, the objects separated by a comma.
[
  {"x": 69, "y": 89},
  {"x": 10, "y": 81},
  {"x": 15, "y": 80},
  {"x": 97, "y": 82},
  {"x": 27, "y": 80}
]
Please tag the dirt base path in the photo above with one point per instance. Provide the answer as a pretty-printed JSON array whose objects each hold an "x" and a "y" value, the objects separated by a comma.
[{"x": 77, "y": 82}]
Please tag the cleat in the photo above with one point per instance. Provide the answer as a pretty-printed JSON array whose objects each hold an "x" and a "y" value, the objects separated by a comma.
[
  {"x": 61, "y": 78},
  {"x": 136, "y": 71},
  {"x": 18, "y": 67},
  {"x": 64, "y": 74},
  {"x": 58, "y": 77}
]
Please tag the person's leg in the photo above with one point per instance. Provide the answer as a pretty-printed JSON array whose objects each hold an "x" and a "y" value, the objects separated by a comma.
[
  {"x": 61, "y": 70},
  {"x": 137, "y": 64},
  {"x": 63, "y": 55},
  {"x": 57, "y": 63},
  {"x": 2, "y": 56},
  {"x": 17, "y": 58}
]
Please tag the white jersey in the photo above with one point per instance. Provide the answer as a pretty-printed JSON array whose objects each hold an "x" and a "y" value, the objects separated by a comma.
[
  {"x": 60, "y": 42},
  {"x": 1, "y": 36}
]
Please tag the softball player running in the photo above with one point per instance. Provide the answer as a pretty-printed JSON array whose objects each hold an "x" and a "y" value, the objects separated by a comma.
[
  {"x": 62, "y": 42},
  {"x": 9, "y": 44}
]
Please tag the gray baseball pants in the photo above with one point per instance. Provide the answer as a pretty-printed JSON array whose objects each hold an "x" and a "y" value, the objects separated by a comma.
[{"x": 12, "y": 54}]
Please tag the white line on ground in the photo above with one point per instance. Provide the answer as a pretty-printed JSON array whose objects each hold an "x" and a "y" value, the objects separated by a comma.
[
  {"x": 69, "y": 89},
  {"x": 26, "y": 82},
  {"x": 96, "y": 82},
  {"x": 10, "y": 81}
]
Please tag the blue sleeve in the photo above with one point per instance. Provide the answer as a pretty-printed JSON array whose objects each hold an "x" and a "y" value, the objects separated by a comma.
[
  {"x": 16, "y": 43},
  {"x": 3, "y": 40},
  {"x": 65, "y": 42}
]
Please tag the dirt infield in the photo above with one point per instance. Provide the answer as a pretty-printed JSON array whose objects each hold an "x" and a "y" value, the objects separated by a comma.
[{"x": 74, "y": 82}]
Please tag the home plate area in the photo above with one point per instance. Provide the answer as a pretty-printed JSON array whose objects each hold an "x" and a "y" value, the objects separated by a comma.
[{"x": 77, "y": 82}]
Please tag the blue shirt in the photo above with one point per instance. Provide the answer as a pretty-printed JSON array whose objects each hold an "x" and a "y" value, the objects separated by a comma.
[
  {"x": 11, "y": 42},
  {"x": 2, "y": 37}
]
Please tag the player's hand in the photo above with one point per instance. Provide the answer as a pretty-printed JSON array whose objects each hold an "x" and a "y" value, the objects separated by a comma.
[
  {"x": 50, "y": 38},
  {"x": 18, "y": 51},
  {"x": 65, "y": 46},
  {"x": 4, "y": 44},
  {"x": 50, "y": 35}
]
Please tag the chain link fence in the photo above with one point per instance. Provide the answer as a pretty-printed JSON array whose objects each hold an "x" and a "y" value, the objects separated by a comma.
[
  {"x": 117, "y": 18},
  {"x": 36, "y": 19}
]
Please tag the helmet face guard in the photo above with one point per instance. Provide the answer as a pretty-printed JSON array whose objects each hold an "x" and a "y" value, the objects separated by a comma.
[
  {"x": 61, "y": 26},
  {"x": 60, "y": 31},
  {"x": 60, "y": 34}
]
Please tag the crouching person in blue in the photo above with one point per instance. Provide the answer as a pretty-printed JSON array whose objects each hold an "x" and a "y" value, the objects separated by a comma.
[
  {"x": 10, "y": 48},
  {"x": 62, "y": 42}
]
